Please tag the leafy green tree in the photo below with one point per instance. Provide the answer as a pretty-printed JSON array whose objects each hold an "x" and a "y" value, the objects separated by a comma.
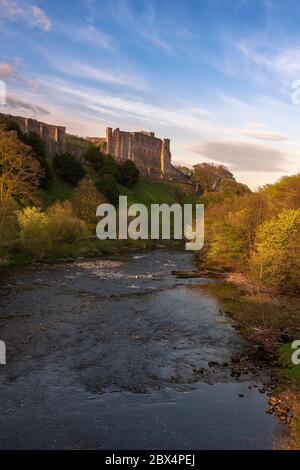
[
  {"x": 95, "y": 157},
  {"x": 285, "y": 194},
  {"x": 68, "y": 168},
  {"x": 85, "y": 200},
  {"x": 20, "y": 172},
  {"x": 277, "y": 258},
  {"x": 102, "y": 164},
  {"x": 209, "y": 176},
  {"x": 36, "y": 143},
  {"x": 128, "y": 174},
  {"x": 108, "y": 186},
  {"x": 230, "y": 188}
]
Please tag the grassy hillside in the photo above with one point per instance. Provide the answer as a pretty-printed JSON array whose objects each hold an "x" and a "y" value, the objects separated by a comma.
[{"x": 144, "y": 192}]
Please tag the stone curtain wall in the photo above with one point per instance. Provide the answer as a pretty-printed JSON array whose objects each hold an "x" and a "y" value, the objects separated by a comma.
[{"x": 52, "y": 136}]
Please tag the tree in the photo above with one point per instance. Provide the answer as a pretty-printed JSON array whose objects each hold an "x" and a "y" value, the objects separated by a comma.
[
  {"x": 108, "y": 186},
  {"x": 209, "y": 176},
  {"x": 128, "y": 173},
  {"x": 20, "y": 172},
  {"x": 85, "y": 200},
  {"x": 231, "y": 228},
  {"x": 35, "y": 142},
  {"x": 68, "y": 168},
  {"x": 185, "y": 170},
  {"x": 95, "y": 157},
  {"x": 285, "y": 194},
  {"x": 277, "y": 258},
  {"x": 230, "y": 188}
]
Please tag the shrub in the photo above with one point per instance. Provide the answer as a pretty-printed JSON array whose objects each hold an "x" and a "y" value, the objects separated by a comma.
[
  {"x": 45, "y": 233},
  {"x": 33, "y": 232},
  {"x": 63, "y": 225},
  {"x": 68, "y": 168},
  {"x": 108, "y": 186},
  {"x": 128, "y": 173}
]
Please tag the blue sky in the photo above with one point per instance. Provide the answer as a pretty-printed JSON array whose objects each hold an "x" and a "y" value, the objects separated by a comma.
[{"x": 215, "y": 76}]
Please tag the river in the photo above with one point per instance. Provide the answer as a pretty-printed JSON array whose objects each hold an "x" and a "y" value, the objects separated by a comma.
[{"x": 108, "y": 354}]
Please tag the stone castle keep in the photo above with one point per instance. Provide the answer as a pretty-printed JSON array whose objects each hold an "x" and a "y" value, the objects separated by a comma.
[{"x": 151, "y": 155}]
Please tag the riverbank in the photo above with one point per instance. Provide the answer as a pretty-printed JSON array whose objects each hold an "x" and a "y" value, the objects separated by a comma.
[
  {"x": 271, "y": 322},
  {"x": 91, "y": 247}
]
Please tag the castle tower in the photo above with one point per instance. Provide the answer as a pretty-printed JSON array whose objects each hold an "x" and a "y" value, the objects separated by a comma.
[
  {"x": 117, "y": 139},
  {"x": 130, "y": 153},
  {"x": 165, "y": 157},
  {"x": 109, "y": 141}
]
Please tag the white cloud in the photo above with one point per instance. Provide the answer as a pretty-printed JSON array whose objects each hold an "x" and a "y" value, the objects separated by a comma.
[
  {"x": 88, "y": 34},
  {"x": 40, "y": 19},
  {"x": 112, "y": 75},
  {"x": 261, "y": 134},
  {"x": 10, "y": 9},
  {"x": 32, "y": 15},
  {"x": 243, "y": 156},
  {"x": 13, "y": 101},
  {"x": 126, "y": 108}
]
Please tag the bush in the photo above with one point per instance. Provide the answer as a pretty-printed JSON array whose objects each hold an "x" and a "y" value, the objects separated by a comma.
[
  {"x": 108, "y": 186},
  {"x": 33, "y": 231},
  {"x": 68, "y": 168},
  {"x": 63, "y": 225},
  {"x": 128, "y": 173},
  {"x": 45, "y": 234}
]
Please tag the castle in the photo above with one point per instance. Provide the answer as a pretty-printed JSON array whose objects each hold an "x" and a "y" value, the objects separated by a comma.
[{"x": 151, "y": 155}]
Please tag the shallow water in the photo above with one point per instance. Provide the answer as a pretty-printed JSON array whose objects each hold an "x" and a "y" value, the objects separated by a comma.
[{"x": 102, "y": 354}]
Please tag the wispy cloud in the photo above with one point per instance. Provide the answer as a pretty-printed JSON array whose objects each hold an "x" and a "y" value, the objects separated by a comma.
[
  {"x": 10, "y": 9},
  {"x": 243, "y": 156},
  {"x": 14, "y": 102},
  {"x": 128, "y": 107},
  {"x": 30, "y": 14},
  {"x": 40, "y": 19},
  {"x": 144, "y": 24},
  {"x": 111, "y": 75},
  {"x": 88, "y": 34},
  {"x": 261, "y": 134}
]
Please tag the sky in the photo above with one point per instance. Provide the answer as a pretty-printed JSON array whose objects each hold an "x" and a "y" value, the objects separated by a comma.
[{"x": 217, "y": 77}]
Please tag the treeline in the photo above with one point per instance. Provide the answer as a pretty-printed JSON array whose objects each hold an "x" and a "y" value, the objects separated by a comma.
[
  {"x": 253, "y": 232},
  {"x": 29, "y": 225}
]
